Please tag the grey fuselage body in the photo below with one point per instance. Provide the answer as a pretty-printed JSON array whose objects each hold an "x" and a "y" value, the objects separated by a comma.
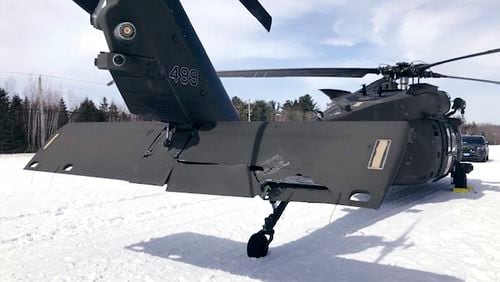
[{"x": 434, "y": 141}]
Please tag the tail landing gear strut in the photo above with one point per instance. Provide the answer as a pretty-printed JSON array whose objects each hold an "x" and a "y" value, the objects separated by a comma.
[{"x": 258, "y": 244}]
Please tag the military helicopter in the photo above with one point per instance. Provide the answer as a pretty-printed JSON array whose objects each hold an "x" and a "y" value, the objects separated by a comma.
[{"x": 389, "y": 132}]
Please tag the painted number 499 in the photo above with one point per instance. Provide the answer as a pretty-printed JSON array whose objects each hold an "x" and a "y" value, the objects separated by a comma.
[{"x": 184, "y": 75}]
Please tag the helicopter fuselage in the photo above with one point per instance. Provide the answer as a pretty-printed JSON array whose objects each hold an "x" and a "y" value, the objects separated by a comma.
[{"x": 434, "y": 141}]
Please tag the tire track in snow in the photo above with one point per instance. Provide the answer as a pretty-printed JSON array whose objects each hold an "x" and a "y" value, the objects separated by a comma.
[
  {"x": 90, "y": 225},
  {"x": 61, "y": 210}
]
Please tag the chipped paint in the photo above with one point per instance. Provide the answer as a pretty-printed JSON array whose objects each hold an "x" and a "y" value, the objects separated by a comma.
[{"x": 273, "y": 165}]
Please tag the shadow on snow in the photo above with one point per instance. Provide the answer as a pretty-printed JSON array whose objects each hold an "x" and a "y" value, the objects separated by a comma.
[{"x": 316, "y": 256}]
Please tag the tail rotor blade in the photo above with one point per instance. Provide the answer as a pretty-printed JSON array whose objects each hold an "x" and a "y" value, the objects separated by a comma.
[{"x": 253, "y": 6}]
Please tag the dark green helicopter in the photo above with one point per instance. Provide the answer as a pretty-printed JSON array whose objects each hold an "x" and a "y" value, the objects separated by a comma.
[
  {"x": 435, "y": 149},
  {"x": 389, "y": 132}
]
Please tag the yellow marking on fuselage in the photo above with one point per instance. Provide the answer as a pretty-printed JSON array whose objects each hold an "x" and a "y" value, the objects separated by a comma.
[{"x": 379, "y": 154}]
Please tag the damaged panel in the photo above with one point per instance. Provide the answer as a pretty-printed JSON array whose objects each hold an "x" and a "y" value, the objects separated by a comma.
[
  {"x": 336, "y": 155},
  {"x": 125, "y": 151}
]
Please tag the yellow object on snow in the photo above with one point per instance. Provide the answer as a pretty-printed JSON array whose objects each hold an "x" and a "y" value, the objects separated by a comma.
[{"x": 463, "y": 190}]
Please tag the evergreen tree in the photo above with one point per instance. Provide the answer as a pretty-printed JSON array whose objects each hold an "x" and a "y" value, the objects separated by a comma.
[
  {"x": 290, "y": 105},
  {"x": 63, "y": 114},
  {"x": 104, "y": 109},
  {"x": 291, "y": 111},
  {"x": 29, "y": 129},
  {"x": 19, "y": 141},
  {"x": 299, "y": 110},
  {"x": 114, "y": 113},
  {"x": 124, "y": 117},
  {"x": 307, "y": 104},
  {"x": 240, "y": 107},
  {"x": 88, "y": 112},
  {"x": 261, "y": 111},
  {"x": 5, "y": 137}
]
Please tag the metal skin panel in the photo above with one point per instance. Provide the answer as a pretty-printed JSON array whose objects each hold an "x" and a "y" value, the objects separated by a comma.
[
  {"x": 432, "y": 104},
  {"x": 108, "y": 150},
  {"x": 425, "y": 155},
  {"x": 214, "y": 179},
  {"x": 333, "y": 154},
  {"x": 164, "y": 73},
  {"x": 333, "y": 159}
]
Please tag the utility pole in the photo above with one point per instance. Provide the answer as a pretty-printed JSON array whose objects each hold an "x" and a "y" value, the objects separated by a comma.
[{"x": 249, "y": 111}]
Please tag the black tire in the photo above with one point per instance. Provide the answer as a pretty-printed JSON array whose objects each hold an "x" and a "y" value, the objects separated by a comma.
[
  {"x": 258, "y": 245},
  {"x": 460, "y": 178}
]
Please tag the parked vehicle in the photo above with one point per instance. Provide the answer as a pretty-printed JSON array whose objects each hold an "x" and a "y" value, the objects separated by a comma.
[{"x": 475, "y": 148}]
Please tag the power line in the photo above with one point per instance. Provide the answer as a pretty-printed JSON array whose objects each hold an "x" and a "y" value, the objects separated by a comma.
[{"x": 55, "y": 77}]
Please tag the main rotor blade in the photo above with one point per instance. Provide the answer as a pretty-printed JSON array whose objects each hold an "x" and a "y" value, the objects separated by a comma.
[
  {"x": 253, "y": 6},
  {"x": 438, "y": 75},
  {"x": 492, "y": 51},
  {"x": 87, "y": 5},
  {"x": 302, "y": 72},
  {"x": 259, "y": 12}
]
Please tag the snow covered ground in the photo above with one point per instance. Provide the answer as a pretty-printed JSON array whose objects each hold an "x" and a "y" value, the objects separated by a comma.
[{"x": 58, "y": 227}]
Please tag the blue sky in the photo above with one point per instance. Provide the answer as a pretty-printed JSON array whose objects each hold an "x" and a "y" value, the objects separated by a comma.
[{"x": 54, "y": 37}]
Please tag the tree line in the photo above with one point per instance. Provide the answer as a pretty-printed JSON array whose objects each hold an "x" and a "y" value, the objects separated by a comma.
[
  {"x": 490, "y": 131},
  {"x": 27, "y": 123},
  {"x": 302, "y": 109}
]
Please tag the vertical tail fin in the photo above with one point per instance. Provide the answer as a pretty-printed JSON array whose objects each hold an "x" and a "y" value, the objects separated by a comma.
[{"x": 159, "y": 63}]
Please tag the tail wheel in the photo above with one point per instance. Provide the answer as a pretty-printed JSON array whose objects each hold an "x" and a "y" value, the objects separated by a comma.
[{"x": 258, "y": 245}]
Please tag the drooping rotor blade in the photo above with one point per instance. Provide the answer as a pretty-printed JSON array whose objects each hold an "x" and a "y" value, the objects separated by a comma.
[
  {"x": 301, "y": 72},
  {"x": 438, "y": 75},
  {"x": 253, "y": 6},
  {"x": 259, "y": 12},
  {"x": 492, "y": 51},
  {"x": 87, "y": 5}
]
